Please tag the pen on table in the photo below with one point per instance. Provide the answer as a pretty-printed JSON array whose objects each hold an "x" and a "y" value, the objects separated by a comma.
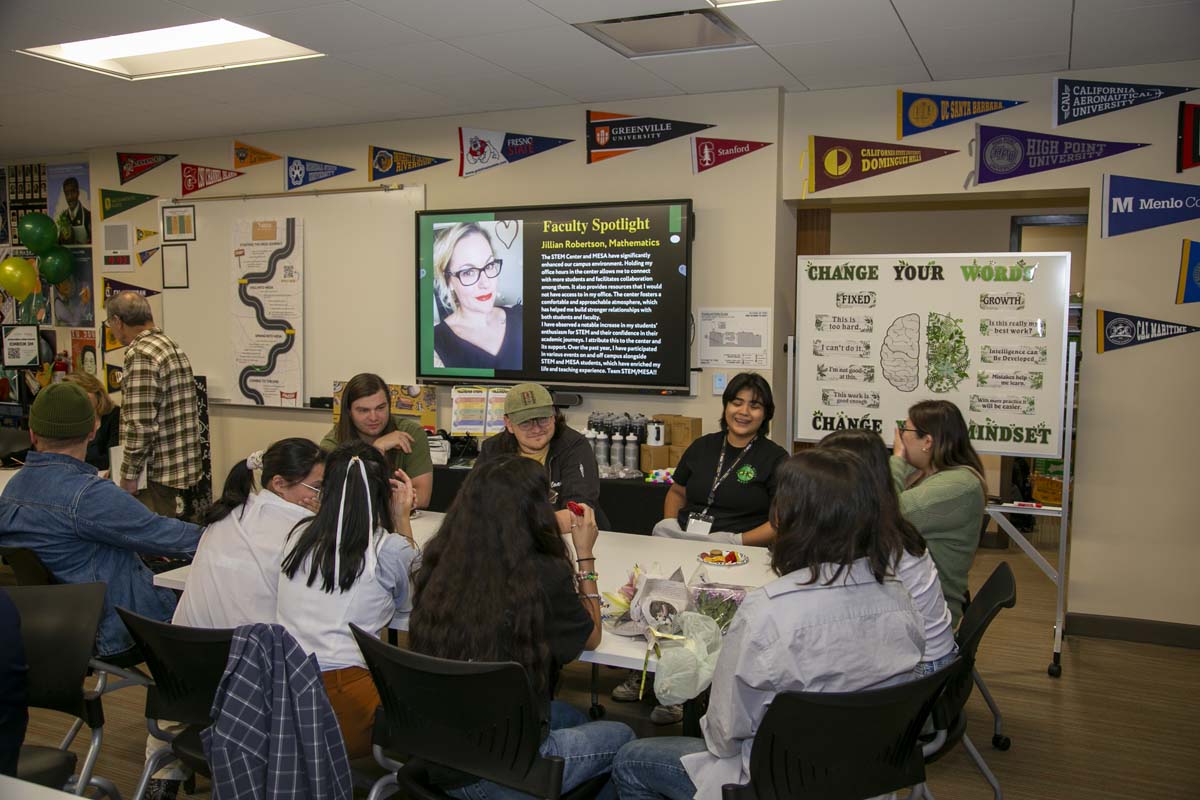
[{"x": 1026, "y": 505}]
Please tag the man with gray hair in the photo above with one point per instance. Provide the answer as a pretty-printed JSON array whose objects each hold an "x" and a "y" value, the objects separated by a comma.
[{"x": 160, "y": 423}]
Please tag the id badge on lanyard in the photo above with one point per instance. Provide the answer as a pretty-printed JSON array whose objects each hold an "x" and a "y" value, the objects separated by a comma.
[{"x": 701, "y": 521}]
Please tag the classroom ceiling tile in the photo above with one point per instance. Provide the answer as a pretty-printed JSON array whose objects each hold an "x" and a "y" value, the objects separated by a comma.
[
  {"x": 450, "y": 19},
  {"x": 799, "y": 21},
  {"x": 497, "y": 90},
  {"x": 334, "y": 28},
  {"x": 228, "y": 9},
  {"x": 595, "y": 10},
  {"x": 918, "y": 14},
  {"x": 619, "y": 79},
  {"x": 539, "y": 49},
  {"x": 979, "y": 48},
  {"x": 416, "y": 61},
  {"x": 1019, "y": 65},
  {"x": 722, "y": 70},
  {"x": 22, "y": 73},
  {"x": 853, "y": 62},
  {"x": 113, "y": 17},
  {"x": 1119, "y": 32}
]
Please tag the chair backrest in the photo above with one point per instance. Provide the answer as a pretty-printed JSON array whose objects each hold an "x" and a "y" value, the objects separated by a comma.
[
  {"x": 28, "y": 568},
  {"x": 477, "y": 717},
  {"x": 58, "y": 630},
  {"x": 841, "y": 745},
  {"x": 186, "y": 664}
]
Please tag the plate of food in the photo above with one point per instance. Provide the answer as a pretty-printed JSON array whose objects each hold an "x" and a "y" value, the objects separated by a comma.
[{"x": 723, "y": 558}]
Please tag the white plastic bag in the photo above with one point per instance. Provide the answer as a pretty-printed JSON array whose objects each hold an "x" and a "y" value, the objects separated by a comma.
[{"x": 685, "y": 667}]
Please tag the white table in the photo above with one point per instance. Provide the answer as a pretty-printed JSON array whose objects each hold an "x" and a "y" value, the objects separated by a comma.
[{"x": 14, "y": 789}]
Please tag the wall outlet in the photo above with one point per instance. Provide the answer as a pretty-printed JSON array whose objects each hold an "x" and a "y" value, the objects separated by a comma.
[{"x": 719, "y": 381}]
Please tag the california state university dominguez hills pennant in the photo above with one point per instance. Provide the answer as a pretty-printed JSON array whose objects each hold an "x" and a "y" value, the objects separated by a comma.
[
  {"x": 1137, "y": 204},
  {"x": 1077, "y": 99},
  {"x": 708, "y": 152},
  {"x": 833, "y": 161},
  {"x": 610, "y": 135},
  {"x": 303, "y": 171},
  {"x": 131, "y": 165},
  {"x": 480, "y": 149},
  {"x": 246, "y": 155},
  {"x": 196, "y": 177},
  {"x": 1115, "y": 330},
  {"x": 917, "y": 112},
  {"x": 1189, "y": 274},
  {"x": 1187, "y": 154},
  {"x": 1004, "y": 153},
  {"x": 114, "y": 201},
  {"x": 386, "y": 162}
]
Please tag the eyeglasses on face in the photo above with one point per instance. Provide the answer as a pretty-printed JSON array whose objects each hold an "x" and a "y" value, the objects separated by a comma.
[
  {"x": 310, "y": 487},
  {"x": 917, "y": 431},
  {"x": 536, "y": 422},
  {"x": 470, "y": 275}
]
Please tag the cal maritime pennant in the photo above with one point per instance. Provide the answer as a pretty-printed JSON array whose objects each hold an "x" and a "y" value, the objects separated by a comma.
[{"x": 1115, "y": 330}]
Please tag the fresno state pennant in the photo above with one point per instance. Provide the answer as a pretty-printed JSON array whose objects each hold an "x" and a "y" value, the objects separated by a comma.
[
  {"x": 708, "y": 153},
  {"x": 1115, "y": 330},
  {"x": 611, "y": 135},
  {"x": 131, "y": 165},
  {"x": 480, "y": 149},
  {"x": 245, "y": 155},
  {"x": 196, "y": 177},
  {"x": 1188, "y": 153},
  {"x": 833, "y": 161}
]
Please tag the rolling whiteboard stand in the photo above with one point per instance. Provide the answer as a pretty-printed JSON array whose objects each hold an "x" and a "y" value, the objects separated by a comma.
[
  {"x": 790, "y": 354},
  {"x": 1000, "y": 512}
]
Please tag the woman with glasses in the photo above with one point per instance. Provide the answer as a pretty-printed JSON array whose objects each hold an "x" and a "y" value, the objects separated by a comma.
[
  {"x": 474, "y": 332},
  {"x": 942, "y": 491}
]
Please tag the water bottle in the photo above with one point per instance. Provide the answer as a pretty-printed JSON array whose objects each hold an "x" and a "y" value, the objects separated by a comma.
[
  {"x": 602, "y": 449},
  {"x": 591, "y": 439},
  {"x": 616, "y": 454},
  {"x": 632, "y": 454}
]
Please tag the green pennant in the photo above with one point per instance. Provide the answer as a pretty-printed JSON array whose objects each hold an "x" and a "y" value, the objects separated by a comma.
[{"x": 113, "y": 202}]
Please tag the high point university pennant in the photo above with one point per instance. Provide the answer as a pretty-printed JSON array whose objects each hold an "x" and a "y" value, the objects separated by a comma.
[
  {"x": 303, "y": 171},
  {"x": 1137, "y": 204},
  {"x": 1075, "y": 99},
  {"x": 611, "y": 135},
  {"x": 131, "y": 165},
  {"x": 480, "y": 149},
  {"x": 1004, "y": 153},
  {"x": 196, "y": 177},
  {"x": 917, "y": 113},
  {"x": 114, "y": 201},
  {"x": 708, "y": 153},
  {"x": 1187, "y": 153},
  {"x": 1115, "y": 330},
  {"x": 385, "y": 162},
  {"x": 833, "y": 161},
  {"x": 245, "y": 155},
  {"x": 1189, "y": 274}
]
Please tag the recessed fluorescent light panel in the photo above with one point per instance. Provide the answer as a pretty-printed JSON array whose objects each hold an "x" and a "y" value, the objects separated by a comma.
[
  {"x": 732, "y": 3},
  {"x": 181, "y": 50},
  {"x": 660, "y": 34}
]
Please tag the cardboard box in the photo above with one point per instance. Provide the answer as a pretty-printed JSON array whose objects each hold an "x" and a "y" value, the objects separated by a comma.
[
  {"x": 655, "y": 457},
  {"x": 676, "y": 453},
  {"x": 684, "y": 431}
]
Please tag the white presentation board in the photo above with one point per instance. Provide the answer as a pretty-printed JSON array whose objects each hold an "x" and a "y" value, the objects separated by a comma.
[{"x": 986, "y": 331}]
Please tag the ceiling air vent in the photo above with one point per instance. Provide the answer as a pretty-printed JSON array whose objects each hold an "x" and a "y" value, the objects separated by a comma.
[{"x": 658, "y": 34}]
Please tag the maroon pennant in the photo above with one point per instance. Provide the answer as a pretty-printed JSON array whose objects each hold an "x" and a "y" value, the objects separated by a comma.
[
  {"x": 131, "y": 165},
  {"x": 708, "y": 152}
]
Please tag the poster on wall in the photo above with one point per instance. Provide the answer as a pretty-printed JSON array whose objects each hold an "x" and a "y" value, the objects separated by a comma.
[
  {"x": 610, "y": 135},
  {"x": 917, "y": 112},
  {"x": 4, "y": 221},
  {"x": 268, "y": 310},
  {"x": 1189, "y": 274},
  {"x": 67, "y": 197},
  {"x": 1187, "y": 152},
  {"x": 734, "y": 338},
  {"x": 1078, "y": 99},
  {"x": 73, "y": 302},
  {"x": 986, "y": 331},
  {"x": 480, "y": 149},
  {"x": 1138, "y": 204},
  {"x": 83, "y": 352},
  {"x": 1116, "y": 330},
  {"x": 833, "y": 161},
  {"x": 1003, "y": 153},
  {"x": 20, "y": 345}
]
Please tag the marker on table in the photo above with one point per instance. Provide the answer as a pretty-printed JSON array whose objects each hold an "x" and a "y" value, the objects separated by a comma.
[{"x": 1026, "y": 505}]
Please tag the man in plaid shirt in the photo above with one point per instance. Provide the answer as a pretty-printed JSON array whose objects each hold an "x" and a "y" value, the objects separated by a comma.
[{"x": 160, "y": 424}]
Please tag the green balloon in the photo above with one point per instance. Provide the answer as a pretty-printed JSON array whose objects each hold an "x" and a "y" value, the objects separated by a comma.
[
  {"x": 38, "y": 232},
  {"x": 56, "y": 264}
]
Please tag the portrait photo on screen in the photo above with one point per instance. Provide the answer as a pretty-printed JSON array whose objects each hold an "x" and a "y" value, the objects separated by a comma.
[
  {"x": 477, "y": 298},
  {"x": 68, "y": 200}
]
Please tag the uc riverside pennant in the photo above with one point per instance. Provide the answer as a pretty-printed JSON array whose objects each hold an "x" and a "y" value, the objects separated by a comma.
[
  {"x": 917, "y": 113},
  {"x": 1188, "y": 153},
  {"x": 196, "y": 177},
  {"x": 1189, "y": 274},
  {"x": 386, "y": 162},
  {"x": 1005, "y": 153},
  {"x": 131, "y": 165},
  {"x": 303, "y": 171},
  {"x": 1075, "y": 100},
  {"x": 611, "y": 135},
  {"x": 1136, "y": 204},
  {"x": 708, "y": 153},
  {"x": 480, "y": 149},
  {"x": 113, "y": 201},
  {"x": 245, "y": 155},
  {"x": 1115, "y": 330},
  {"x": 833, "y": 161}
]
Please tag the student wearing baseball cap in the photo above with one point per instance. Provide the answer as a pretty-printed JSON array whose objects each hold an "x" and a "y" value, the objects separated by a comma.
[{"x": 535, "y": 429}]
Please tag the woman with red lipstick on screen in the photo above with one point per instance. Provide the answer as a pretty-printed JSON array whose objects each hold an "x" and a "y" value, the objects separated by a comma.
[{"x": 474, "y": 332}]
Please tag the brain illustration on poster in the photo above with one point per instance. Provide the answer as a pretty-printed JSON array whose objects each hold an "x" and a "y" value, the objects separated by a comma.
[{"x": 268, "y": 311}]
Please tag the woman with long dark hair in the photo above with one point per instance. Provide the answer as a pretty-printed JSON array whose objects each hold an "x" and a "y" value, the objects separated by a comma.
[
  {"x": 497, "y": 583},
  {"x": 345, "y": 565},
  {"x": 942, "y": 491},
  {"x": 836, "y": 620}
]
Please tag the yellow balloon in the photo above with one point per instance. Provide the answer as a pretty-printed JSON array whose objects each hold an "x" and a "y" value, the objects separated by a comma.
[{"x": 18, "y": 277}]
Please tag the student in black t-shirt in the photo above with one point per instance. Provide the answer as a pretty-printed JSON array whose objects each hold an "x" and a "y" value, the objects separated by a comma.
[{"x": 725, "y": 481}]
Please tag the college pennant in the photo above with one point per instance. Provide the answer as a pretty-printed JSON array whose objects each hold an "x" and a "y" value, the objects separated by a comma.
[
  {"x": 385, "y": 162},
  {"x": 1115, "y": 330},
  {"x": 1136, "y": 204},
  {"x": 114, "y": 201},
  {"x": 303, "y": 171},
  {"x": 245, "y": 155},
  {"x": 142, "y": 233},
  {"x": 131, "y": 165},
  {"x": 112, "y": 287},
  {"x": 708, "y": 153},
  {"x": 1004, "y": 153},
  {"x": 1189, "y": 274},
  {"x": 917, "y": 113},
  {"x": 611, "y": 135},
  {"x": 1187, "y": 154},
  {"x": 833, "y": 161},
  {"x": 196, "y": 177},
  {"x": 1075, "y": 99},
  {"x": 146, "y": 255},
  {"x": 479, "y": 149}
]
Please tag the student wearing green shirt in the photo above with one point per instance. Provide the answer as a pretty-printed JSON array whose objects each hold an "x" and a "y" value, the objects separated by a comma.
[
  {"x": 942, "y": 491},
  {"x": 366, "y": 413}
]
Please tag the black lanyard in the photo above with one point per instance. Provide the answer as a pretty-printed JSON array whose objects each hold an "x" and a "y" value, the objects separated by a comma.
[{"x": 720, "y": 477}]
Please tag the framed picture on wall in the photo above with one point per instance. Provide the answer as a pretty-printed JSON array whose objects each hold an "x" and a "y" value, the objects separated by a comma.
[
  {"x": 179, "y": 223},
  {"x": 175, "y": 266}
]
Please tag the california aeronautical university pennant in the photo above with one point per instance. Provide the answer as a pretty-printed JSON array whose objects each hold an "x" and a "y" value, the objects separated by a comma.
[
  {"x": 1188, "y": 153},
  {"x": 146, "y": 255},
  {"x": 708, "y": 153},
  {"x": 833, "y": 161},
  {"x": 1189, "y": 274},
  {"x": 112, "y": 287},
  {"x": 303, "y": 171},
  {"x": 1075, "y": 100},
  {"x": 611, "y": 135},
  {"x": 196, "y": 177},
  {"x": 142, "y": 233},
  {"x": 130, "y": 165},
  {"x": 1136, "y": 204},
  {"x": 1004, "y": 153},
  {"x": 114, "y": 201},
  {"x": 1115, "y": 330},
  {"x": 480, "y": 149},
  {"x": 386, "y": 162},
  {"x": 245, "y": 155},
  {"x": 917, "y": 113}
]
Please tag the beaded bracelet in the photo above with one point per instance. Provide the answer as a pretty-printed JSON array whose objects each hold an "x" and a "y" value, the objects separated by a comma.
[
  {"x": 592, "y": 596},
  {"x": 587, "y": 576}
]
